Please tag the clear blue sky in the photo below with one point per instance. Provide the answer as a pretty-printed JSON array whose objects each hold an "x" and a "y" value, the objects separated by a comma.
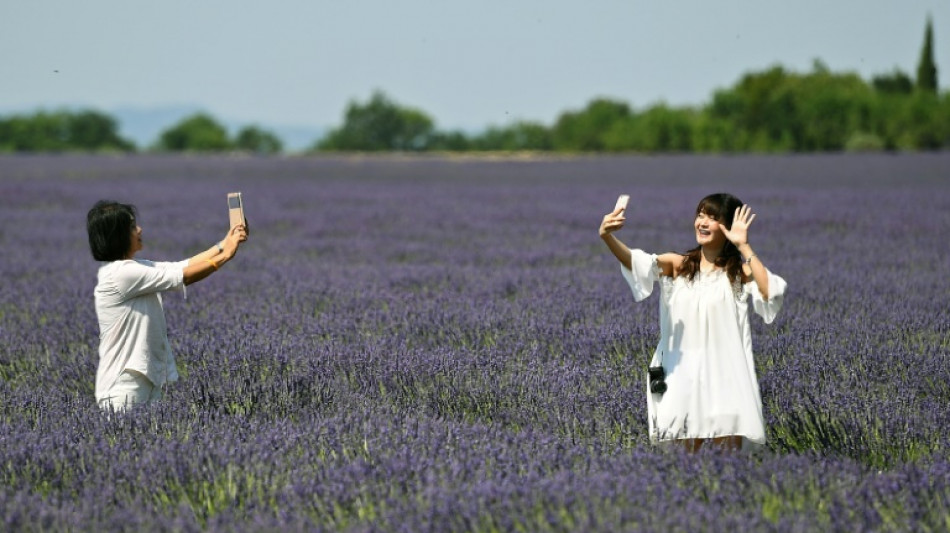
[{"x": 468, "y": 64}]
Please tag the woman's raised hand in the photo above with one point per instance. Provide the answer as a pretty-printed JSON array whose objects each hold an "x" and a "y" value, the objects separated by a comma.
[
  {"x": 739, "y": 233},
  {"x": 234, "y": 238},
  {"x": 612, "y": 221}
]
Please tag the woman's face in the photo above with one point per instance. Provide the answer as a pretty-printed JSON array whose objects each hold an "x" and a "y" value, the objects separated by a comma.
[
  {"x": 708, "y": 231},
  {"x": 135, "y": 242}
]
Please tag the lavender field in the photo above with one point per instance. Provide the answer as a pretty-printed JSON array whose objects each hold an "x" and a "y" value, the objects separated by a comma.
[{"x": 446, "y": 345}]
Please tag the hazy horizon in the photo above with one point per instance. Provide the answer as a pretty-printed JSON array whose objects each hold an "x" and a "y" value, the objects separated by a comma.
[{"x": 297, "y": 64}]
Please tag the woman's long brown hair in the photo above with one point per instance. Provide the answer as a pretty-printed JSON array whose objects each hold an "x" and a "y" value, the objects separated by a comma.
[{"x": 721, "y": 207}]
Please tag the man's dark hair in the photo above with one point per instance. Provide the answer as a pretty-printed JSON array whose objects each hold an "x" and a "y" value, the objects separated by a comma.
[{"x": 110, "y": 227}]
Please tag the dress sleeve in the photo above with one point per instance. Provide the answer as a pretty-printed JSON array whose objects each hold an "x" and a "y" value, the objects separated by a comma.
[
  {"x": 171, "y": 264},
  {"x": 642, "y": 273},
  {"x": 177, "y": 264},
  {"x": 767, "y": 309},
  {"x": 139, "y": 277}
]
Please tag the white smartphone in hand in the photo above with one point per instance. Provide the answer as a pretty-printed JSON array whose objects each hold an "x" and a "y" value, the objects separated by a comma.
[
  {"x": 622, "y": 202},
  {"x": 236, "y": 209}
]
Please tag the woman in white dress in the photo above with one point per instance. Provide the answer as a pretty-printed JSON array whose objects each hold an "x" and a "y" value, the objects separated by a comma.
[
  {"x": 135, "y": 358},
  {"x": 705, "y": 350}
]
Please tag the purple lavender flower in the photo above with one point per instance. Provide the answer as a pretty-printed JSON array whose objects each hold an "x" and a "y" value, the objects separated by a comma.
[{"x": 437, "y": 345}]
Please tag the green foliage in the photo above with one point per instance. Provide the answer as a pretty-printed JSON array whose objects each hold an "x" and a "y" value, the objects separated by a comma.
[
  {"x": 91, "y": 130},
  {"x": 773, "y": 110},
  {"x": 922, "y": 122},
  {"x": 864, "y": 142},
  {"x": 256, "y": 140},
  {"x": 712, "y": 134},
  {"x": 757, "y": 103},
  {"x": 61, "y": 131},
  {"x": 895, "y": 83},
  {"x": 450, "y": 141},
  {"x": 926, "y": 68},
  {"x": 831, "y": 108},
  {"x": 783, "y": 111},
  {"x": 197, "y": 133},
  {"x": 380, "y": 125},
  {"x": 584, "y": 130},
  {"x": 658, "y": 129},
  {"x": 519, "y": 136}
]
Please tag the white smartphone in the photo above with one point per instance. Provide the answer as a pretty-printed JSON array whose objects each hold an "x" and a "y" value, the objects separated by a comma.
[
  {"x": 622, "y": 202},
  {"x": 236, "y": 209}
]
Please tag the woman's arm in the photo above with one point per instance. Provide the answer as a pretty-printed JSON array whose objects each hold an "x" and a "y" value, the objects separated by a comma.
[
  {"x": 611, "y": 223},
  {"x": 738, "y": 234},
  {"x": 210, "y": 253},
  {"x": 669, "y": 263},
  {"x": 204, "y": 264},
  {"x": 753, "y": 268}
]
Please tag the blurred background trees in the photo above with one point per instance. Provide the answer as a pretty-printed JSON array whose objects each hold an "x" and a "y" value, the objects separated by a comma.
[
  {"x": 60, "y": 131},
  {"x": 772, "y": 110},
  {"x": 93, "y": 131},
  {"x": 926, "y": 68},
  {"x": 380, "y": 125},
  {"x": 202, "y": 133},
  {"x": 256, "y": 140},
  {"x": 198, "y": 133}
]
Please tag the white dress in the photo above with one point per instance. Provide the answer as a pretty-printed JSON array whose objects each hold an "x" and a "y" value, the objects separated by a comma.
[
  {"x": 132, "y": 330},
  {"x": 706, "y": 350}
]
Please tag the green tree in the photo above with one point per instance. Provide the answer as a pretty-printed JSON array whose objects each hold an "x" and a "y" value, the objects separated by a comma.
[
  {"x": 61, "y": 131},
  {"x": 585, "y": 130},
  {"x": 380, "y": 125},
  {"x": 777, "y": 110},
  {"x": 894, "y": 83},
  {"x": 658, "y": 129},
  {"x": 921, "y": 123},
  {"x": 91, "y": 130},
  {"x": 712, "y": 134},
  {"x": 758, "y": 105},
  {"x": 831, "y": 107},
  {"x": 450, "y": 141},
  {"x": 519, "y": 136},
  {"x": 256, "y": 140},
  {"x": 40, "y": 132},
  {"x": 926, "y": 68},
  {"x": 197, "y": 133}
]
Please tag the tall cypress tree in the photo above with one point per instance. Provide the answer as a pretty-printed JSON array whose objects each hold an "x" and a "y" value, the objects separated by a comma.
[{"x": 927, "y": 69}]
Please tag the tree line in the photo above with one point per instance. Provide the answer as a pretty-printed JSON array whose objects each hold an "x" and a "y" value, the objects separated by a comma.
[
  {"x": 773, "y": 110},
  {"x": 93, "y": 131}
]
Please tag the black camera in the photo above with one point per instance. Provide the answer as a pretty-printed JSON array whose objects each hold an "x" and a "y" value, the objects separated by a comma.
[{"x": 657, "y": 379}]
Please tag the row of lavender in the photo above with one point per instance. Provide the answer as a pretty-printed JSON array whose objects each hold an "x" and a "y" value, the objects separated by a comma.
[{"x": 437, "y": 344}]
